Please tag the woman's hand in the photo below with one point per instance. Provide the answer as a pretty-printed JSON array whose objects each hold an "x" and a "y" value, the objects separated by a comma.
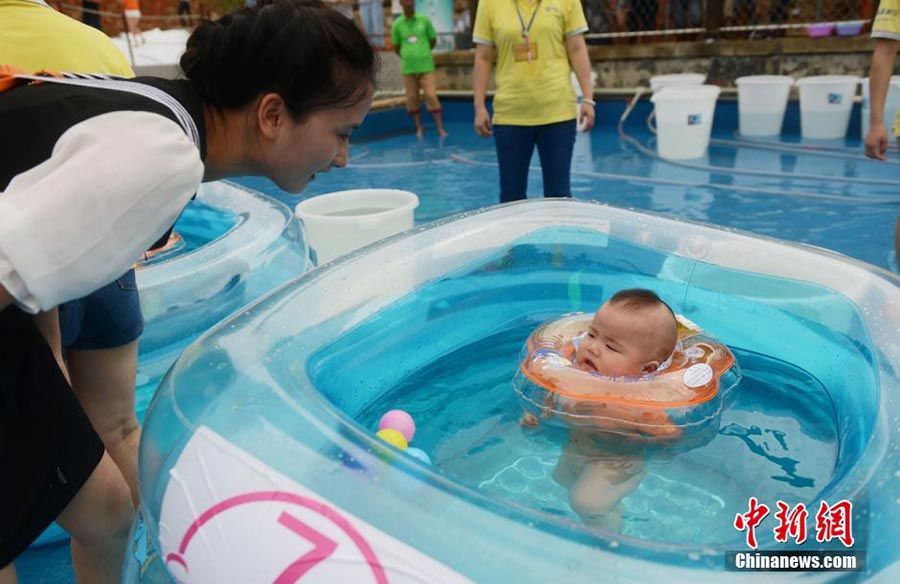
[
  {"x": 877, "y": 142},
  {"x": 586, "y": 117},
  {"x": 483, "y": 122}
]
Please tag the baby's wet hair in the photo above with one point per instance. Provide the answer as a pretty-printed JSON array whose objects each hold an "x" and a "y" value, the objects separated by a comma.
[
  {"x": 311, "y": 55},
  {"x": 638, "y": 298}
]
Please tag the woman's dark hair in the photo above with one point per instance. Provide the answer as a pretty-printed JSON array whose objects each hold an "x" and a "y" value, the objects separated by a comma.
[{"x": 311, "y": 55}]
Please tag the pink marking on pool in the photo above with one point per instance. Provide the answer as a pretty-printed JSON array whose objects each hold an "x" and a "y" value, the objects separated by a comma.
[
  {"x": 322, "y": 548},
  {"x": 293, "y": 499}
]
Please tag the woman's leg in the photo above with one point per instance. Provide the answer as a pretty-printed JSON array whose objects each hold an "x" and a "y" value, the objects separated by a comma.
[
  {"x": 101, "y": 334},
  {"x": 432, "y": 103},
  {"x": 8, "y": 575},
  {"x": 515, "y": 145},
  {"x": 99, "y": 518},
  {"x": 104, "y": 383},
  {"x": 555, "y": 143}
]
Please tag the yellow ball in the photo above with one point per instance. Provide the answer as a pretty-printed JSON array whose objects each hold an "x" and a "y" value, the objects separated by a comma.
[{"x": 393, "y": 437}]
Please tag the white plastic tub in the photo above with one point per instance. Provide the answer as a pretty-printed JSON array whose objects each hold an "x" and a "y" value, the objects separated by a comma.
[
  {"x": 341, "y": 222},
  {"x": 891, "y": 105},
  {"x": 825, "y": 105},
  {"x": 684, "y": 119},
  {"x": 762, "y": 101},
  {"x": 676, "y": 80}
]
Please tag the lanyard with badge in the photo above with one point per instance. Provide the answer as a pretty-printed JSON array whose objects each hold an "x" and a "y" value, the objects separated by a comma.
[{"x": 528, "y": 51}]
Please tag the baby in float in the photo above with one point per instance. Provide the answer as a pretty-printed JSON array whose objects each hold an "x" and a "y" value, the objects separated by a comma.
[{"x": 628, "y": 379}]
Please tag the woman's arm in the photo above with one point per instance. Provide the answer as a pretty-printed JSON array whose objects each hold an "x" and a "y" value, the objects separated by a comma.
[
  {"x": 484, "y": 60},
  {"x": 576, "y": 49},
  {"x": 81, "y": 218},
  {"x": 879, "y": 80}
]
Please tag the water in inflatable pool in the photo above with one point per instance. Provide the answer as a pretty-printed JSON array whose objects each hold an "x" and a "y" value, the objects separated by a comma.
[{"x": 777, "y": 440}]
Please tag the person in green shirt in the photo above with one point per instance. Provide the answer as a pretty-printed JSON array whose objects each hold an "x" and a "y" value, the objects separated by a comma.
[{"x": 413, "y": 37}]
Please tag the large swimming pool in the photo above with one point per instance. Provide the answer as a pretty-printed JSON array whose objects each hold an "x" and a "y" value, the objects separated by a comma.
[{"x": 843, "y": 202}]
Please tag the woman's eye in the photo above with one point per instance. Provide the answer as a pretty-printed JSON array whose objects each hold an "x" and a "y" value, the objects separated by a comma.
[{"x": 591, "y": 336}]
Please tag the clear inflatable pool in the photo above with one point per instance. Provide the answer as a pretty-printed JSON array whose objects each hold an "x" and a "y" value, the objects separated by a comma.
[
  {"x": 237, "y": 245},
  {"x": 259, "y": 461}
]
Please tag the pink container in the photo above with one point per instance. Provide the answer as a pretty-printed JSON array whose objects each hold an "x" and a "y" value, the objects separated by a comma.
[{"x": 820, "y": 30}]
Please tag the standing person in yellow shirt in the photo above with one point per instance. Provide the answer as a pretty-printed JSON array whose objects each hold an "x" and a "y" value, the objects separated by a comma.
[
  {"x": 886, "y": 32},
  {"x": 34, "y": 36},
  {"x": 537, "y": 42}
]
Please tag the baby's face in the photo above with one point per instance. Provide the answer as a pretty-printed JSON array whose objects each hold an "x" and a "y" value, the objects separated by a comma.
[{"x": 621, "y": 342}]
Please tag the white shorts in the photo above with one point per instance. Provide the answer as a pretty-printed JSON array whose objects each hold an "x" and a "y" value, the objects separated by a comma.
[{"x": 132, "y": 14}]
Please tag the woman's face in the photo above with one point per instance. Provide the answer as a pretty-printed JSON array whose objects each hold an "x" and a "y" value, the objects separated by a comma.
[{"x": 294, "y": 152}]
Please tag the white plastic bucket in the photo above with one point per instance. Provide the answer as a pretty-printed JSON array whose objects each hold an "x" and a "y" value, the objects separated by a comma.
[
  {"x": 684, "y": 119},
  {"x": 341, "y": 222},
  {"x": 825, "y": 105},
  {"x": 676, "y": 80},
  {"x": 762, "y": 101},
  {"x": 891, "y": 105}
]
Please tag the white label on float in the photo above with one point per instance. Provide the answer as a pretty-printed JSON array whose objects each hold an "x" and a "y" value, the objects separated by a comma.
[
  {"x": 694, "y": 352},
  {"x": 698, "y": 375},
  {"x": 228, "y": 517}
]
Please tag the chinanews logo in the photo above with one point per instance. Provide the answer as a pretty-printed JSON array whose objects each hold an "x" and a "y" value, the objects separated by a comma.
[{"x": 833, "y": 523}]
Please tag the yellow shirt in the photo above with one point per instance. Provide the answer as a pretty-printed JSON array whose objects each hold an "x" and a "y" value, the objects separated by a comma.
[
  {"x": 536, "y": 92},
  {"x": 34, "y": 36},
  {"x": 887, "y": 26}
]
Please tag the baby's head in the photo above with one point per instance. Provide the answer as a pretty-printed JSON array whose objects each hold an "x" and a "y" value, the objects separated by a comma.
[{"x": 631, "y": 334}]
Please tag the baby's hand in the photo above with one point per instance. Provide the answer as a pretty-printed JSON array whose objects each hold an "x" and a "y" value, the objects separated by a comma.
[{"x": 529, "y": 420}]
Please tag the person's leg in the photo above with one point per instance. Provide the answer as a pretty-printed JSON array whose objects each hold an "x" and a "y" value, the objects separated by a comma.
[
  {"x": 374, "y": 21},
  {"x": 601, "y": 485},
  {"x": 184, "y": 13},
  {"x": 555, "y": 143},
  {"x": 99, "y": 539},
  {"x": 8, "y": 575},
  {"x": 515, "y": 145},
  {"x": 432, "y": 103},
  {"x": 365, "y": 15},
  {"x": 695, "y": 7},
  {"x": 104, "y": 383},
  {"x": 100, "y": 333},
  {"x": 676, "y": 14},
  {"x": 411, "y": 87},
  {"x": 651, "y": 9}
]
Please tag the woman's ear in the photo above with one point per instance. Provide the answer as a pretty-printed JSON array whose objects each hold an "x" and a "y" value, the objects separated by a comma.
[{"x": 272, "y": 115}]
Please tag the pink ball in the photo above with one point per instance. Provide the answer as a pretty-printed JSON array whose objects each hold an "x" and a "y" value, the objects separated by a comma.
[{"x": 400, "y": 421}]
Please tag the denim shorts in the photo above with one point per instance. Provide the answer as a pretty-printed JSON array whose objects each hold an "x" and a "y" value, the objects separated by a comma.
[{"x": 106, "y": 318}]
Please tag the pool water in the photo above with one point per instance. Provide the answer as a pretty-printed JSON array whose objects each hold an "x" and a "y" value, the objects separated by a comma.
[
  {"x": 847, "y": 203},
  {"x": 691, "y": 497}
]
